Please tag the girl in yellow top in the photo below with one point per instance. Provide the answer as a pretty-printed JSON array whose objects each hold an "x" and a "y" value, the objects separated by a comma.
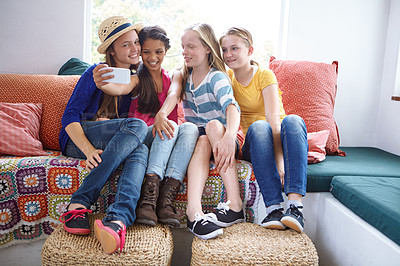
[{"x": 275, "y": 144}]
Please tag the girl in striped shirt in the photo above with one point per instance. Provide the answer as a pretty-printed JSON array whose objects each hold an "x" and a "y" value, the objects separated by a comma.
[{"x": 208, "y": 102}]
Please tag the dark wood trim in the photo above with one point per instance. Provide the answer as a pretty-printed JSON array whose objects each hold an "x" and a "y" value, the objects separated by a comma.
[{"x": 395, "y": 98}]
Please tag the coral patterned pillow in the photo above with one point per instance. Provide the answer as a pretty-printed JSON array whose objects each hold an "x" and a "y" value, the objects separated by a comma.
[
  {"x": 309, "y": 90},
  {"x": 51, "y": 90},
  {"x": 19, "y": 129}
]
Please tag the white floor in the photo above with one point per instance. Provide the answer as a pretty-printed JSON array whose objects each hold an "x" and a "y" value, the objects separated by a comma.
[{"x": 22, "y": 255}]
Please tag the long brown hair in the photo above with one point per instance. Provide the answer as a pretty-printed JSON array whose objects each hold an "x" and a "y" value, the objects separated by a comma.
[
  {"x": 109, "y": 105},
  {"x": 208, "y": 39},
  {"x": 148, "y": 102}
]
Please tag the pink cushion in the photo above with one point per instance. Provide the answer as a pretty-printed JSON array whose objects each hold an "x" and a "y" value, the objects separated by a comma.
[
  {"x": 316, "y": 146},
  {"x": 52, "y": 91},
  {"x": 19, "y": 129},
  {"x": 309, "y": 90}
]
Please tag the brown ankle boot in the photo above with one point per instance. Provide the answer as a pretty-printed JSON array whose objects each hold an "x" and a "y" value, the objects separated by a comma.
[
  {"x": 166, "y": 211},
  {"x": 146, "y": 208}
]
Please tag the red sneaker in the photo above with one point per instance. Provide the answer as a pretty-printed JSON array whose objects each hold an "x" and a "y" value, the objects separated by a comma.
[{"x": 110, "y": 235}]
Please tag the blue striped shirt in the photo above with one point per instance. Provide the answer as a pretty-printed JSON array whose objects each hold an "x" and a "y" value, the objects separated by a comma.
[{"x": 209, "y": 100}]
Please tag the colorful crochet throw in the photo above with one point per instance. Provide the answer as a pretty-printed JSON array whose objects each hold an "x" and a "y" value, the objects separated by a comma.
[{"x": 35, "y": 190}]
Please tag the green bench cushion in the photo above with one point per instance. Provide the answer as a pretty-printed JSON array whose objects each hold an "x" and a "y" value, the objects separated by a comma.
[
  {"x": 360, "y": 161},
  {"x": 374, "y": 199}
]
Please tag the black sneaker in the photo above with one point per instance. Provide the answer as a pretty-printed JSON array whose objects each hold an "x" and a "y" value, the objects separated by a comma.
[
  {"x": 203, "y": 228},
  {"x": 76, "y": 221},
  {"x": 293, "y": 218},
  {"x": 273, "y": 220},
  {"x": 224, "y": 216}
]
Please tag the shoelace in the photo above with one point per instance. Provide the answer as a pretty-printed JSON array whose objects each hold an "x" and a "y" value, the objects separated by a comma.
[
  {"x": 223, "y": 207},
  {"x": 75, "y": 214},
  {"x": 203, "y": 219},
  {"x": 295, "y": 210},
  {"x": 122, "y": 232},
  {"x": 169, "y": 197},
  {"x": 150, "y": 193}
]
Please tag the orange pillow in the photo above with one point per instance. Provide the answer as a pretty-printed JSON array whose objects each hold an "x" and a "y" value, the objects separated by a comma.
[
  {"x": 51, "y": 90},
  {"x": 19, "y": 129},
  {"x": 309, "y": 90}
]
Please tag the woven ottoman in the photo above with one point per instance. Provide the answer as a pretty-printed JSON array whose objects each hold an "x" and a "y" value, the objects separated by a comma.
[
  {"x": 251, "y": 244},
  {"x": 144, "y": 245}
]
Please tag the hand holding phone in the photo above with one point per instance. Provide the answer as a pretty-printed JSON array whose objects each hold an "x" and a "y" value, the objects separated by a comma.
[{"x": 121, "y": 75}]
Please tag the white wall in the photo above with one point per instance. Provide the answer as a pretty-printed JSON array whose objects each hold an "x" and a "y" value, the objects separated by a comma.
[
  {"x": 353, "y": 33},
  {"x": 388, "y": 122},
  {"x": 38, "y": 36}
]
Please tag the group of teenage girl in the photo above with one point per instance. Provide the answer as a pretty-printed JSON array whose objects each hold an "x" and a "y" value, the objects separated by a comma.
[{"x": 136, "y": 125}]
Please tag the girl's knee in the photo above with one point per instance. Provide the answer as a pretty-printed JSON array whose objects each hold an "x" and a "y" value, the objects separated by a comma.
[
  {"x": 136, "y": 125},
  {"x": 293, "y": 123},
  {"x": 175, "y": 126},
  {"x": 215, "y": 127},
  {"x": 260, "y": 127},
  {"x": 188, "y": 128},
  {"x": 293, "y": 119},
  {"x": 176, "y": 129}
]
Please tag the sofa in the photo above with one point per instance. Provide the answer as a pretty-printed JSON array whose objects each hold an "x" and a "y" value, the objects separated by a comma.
[{"x": 37, "y": 181}]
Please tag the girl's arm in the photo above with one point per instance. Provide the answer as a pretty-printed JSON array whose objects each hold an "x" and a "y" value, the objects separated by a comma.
[
  {"x": 112, "y": 89},
  {"x": 272, "y": 114},
  {"x": 77, "y": 135},
  {"x": 161, "y": 122},
  {"x": 225, "y": 149}
]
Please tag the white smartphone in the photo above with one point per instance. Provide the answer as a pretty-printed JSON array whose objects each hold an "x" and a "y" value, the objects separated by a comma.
[{"x": 121, "y": 75}]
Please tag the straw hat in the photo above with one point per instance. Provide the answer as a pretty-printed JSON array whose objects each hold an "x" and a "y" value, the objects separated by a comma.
[{"x": 113, "y": 27}]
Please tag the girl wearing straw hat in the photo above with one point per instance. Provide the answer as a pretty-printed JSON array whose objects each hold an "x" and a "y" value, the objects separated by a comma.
[{"x": 95, "y": 127}]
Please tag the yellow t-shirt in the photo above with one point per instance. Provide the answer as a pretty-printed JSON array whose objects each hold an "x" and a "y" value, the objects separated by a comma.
[{"x": 250, "y": 98}]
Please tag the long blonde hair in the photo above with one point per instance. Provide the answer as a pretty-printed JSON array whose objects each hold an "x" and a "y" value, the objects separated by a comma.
[
  {"x": 244, "y": 35},
  {"x": 209, "y": 40},
  {"x": 109, "y": 106}
]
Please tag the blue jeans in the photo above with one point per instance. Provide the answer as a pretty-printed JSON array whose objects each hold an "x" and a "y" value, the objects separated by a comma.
[
  {"x": 170, "y": 157},
  {"x": 259, "y": 150},
  {"x": 121, "y": 142}
]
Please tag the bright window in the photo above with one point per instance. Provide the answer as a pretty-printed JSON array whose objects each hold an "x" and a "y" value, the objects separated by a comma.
[{"x": 260, "y": 17}]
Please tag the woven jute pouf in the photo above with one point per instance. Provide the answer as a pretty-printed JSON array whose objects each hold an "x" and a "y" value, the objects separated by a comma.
[
  {"x": 144, "y": 245},
  {"x": 251, "y": 244}
]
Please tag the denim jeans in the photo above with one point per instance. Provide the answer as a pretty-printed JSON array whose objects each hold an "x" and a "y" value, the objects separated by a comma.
[
  {"x": 170, "y": 157},
  {"x": 121, "y": 142},
  {"x": 259, "y": 150}
]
